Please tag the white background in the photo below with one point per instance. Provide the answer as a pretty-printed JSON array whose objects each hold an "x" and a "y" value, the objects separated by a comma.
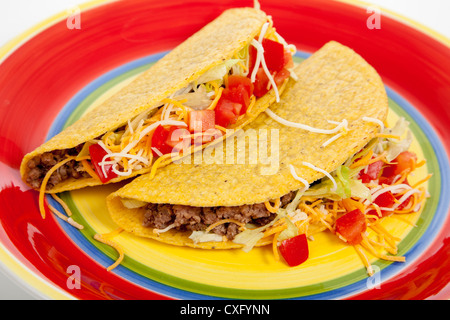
[{"x": 17, "y": 16}]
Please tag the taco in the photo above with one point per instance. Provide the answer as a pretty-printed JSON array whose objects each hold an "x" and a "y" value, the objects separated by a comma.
[
  {"x": 333, "y": 145},
  {"x": 221, "y": 77}
]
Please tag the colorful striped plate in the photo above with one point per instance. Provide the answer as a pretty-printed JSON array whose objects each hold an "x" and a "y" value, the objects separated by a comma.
[{"x": 53, "y": 74}]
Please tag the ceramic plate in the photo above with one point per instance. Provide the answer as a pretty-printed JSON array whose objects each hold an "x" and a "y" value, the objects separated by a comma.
[{"x": 53, "y": 74}]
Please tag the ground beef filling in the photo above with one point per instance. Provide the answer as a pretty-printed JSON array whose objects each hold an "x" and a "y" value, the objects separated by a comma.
[
  {"x": 187, "y": 218},
  {"x": 41, "y": 164}
]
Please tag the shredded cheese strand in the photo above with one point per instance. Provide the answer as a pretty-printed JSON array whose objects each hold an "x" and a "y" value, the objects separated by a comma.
[
  {"x": 218, "y": 223},
  {"x": 89, "y": 170},
  {"x": 62, "y": 203},
  {"x": 216, "y": 99},
  {"x": 273, "y": 209},
  {"x": 251, "y": 104},
  {"x": 260, "y": 51},
  {"x": 66, "y": 219},
  {"x": 296, "y": 177},
  {"x": 375, "y": 120},
  {"x": 366, "y": 244},
  {"x": 45, "y": 181},
  {"x": 288, "y": 123},
  {"x": 113, "y": 233},
  {"x": 275, "y": 245},
  {"x": 332, "y": 139},
  {"x": 322, "y": 171},
  {"x": 364, "y": 259},
  {"x": 157, "y": 163},
  {"x": 170, "y": 226},
  {"x": 114, "y": 245},
  {"x": 363, "y": 161}
]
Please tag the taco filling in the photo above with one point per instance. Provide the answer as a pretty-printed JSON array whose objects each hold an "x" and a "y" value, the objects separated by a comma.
[
  {"x": 369, "y": 186},
  {"x": 193, "y": 116}
]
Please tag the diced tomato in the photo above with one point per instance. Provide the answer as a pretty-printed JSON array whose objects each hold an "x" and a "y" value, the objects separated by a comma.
[
  {"x": 261, "y": 83},
  {"x": 169, "y": 139},
  {"x": 373, "y": 171},
  {"x": 201, "y": 120},
  {"x": 351, "y": 225},
  {"x": 273, "y": 54},
  {"x": 208, "y": 136},
  {"x": 405, "y": 160},
  {"x": 234, "y": 101},
  {"x": 159, "y": 139},
  {"x": 295, "y": 250},
  {"x": 277, "y": 61},
  {"x": 252, "y": 53},
  {"x": 386, "y": 180},
  {"x": 97, "y": 153},
  {"x": 235, "y": 81},
  {"x": 288, "y": 62},
  {"x": 238, "y": 95},
  {"x": 385, "y": 200},
  {"x": 364, "y": 178},
  {"x": 178, "y": 139},
  {"x": 388, "y": 171},
  {"x": 280, "y": 76},
  {"x": 405, "y": 203},
  {"x": 227, "y": 112}
]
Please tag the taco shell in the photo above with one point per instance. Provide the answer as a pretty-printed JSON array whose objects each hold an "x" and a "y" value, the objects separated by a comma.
[
  {"x": 335, "y": 83},
  {"x": 216, "y": 42}
]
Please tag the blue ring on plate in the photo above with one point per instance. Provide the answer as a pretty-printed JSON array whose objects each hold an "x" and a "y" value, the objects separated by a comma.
[{"x": 418, "y": 248}]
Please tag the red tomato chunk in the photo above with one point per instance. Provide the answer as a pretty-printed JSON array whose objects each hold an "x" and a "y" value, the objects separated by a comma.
[
  {"x": 170, "y": 139},
  {"x": 201, "y": 120},
  {"x": 351, "y": 225},
  {"x": 277, "y": 61},
  {"x": 234, "y": 101},
  {"x": 97, "y": 153},
  {"x": 295, "y": 250}
]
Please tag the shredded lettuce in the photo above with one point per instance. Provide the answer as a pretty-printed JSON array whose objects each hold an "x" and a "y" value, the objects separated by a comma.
[
  {"x": 347, "y": 186},
  {"x": 343, "y": 182},
  {"x": 198, "y": 99},
  {"x": 292, "y": 206},
  {"x": 290, "y": 232},
  {"x": 202, "y": 236},
  {"x": 250, "y": 237},
  {"x": 85, "y": 150},
  {"x": 394, "y": 146},
  {"x": 132, "y": 203},
  {"x": 218, "y": 72}
]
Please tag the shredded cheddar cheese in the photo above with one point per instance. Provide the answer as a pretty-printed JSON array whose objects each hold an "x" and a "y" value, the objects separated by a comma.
[
  {"x": 113, "y": 244},
  {"x": 216, "y": 99},
  {"x": 275, "y": 245},
  {"x": 251, "y": 104},
  {"x": 218, "y": 223},
  {"x": 65, "y": 218},
  {"x": 89, "y": 169},
  {"x": 63, "y": 204},
  {"x": 45, "y": 181},
  {"x": 273, "y": 209}
]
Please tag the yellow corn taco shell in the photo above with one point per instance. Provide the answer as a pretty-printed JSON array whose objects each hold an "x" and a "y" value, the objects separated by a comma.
[
  {"x": 218, "y": 41},
  {"x": 333, "y": 84}
]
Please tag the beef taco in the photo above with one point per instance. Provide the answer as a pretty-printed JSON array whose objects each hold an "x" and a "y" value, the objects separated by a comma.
[
  {"x": 335, "y": 170},
  {"x": 220, "y": 78}
]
